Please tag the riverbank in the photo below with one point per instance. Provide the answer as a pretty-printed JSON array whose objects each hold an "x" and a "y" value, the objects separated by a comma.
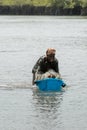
[{"x": 41, "y": 10}]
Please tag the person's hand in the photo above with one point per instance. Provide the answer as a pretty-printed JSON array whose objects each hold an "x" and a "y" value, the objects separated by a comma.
[{"x": 51, "y": 76}]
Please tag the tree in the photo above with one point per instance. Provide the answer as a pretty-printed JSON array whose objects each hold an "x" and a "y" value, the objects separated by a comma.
[
  {"x": 57, "y": 3},
  {"x": 69, "y": 4},
  {"x": 84, "y": 3}
]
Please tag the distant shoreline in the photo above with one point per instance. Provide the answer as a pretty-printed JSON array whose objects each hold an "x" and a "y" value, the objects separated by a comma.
[{"x": 41, "y": 10}]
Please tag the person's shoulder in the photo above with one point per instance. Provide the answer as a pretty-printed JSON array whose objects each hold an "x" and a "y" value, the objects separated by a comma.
[{"x": 42, "y": 58}]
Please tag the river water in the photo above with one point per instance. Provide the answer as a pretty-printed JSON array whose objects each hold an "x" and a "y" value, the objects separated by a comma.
[{"x": 23, "y": 39}]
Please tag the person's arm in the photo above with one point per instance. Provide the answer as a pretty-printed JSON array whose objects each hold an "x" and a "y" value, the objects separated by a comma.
[
  {"x": 35, "y": 69},
  {"x": 33, "y": 78},
  {"x": 57, "y": 68},
  {"x": 36, "y": 66}
]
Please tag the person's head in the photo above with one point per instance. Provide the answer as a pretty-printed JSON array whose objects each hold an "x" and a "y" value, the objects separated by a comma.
[{"x": 50, "y": 53}]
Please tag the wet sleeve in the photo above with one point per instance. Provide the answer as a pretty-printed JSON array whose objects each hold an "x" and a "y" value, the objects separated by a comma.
[{"x": 37, "y": 66}]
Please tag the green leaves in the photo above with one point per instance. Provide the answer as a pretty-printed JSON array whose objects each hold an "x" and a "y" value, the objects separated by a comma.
[
  {"x": 55, "y": 3},
  {"x": 69, "y": 4}
]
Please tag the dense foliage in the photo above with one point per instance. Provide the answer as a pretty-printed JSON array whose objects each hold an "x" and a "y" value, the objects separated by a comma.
[{"x": 47, "y": 3}]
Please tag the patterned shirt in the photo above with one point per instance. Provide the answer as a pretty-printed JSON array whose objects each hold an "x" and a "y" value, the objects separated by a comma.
[{"x": 43, "y": 65}]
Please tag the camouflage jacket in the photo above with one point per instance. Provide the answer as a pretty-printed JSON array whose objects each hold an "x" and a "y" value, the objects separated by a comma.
[{"x": 43, "y": 65}]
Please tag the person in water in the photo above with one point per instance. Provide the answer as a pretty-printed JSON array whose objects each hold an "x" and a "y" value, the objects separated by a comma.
[{"x": 46, "y": 66}]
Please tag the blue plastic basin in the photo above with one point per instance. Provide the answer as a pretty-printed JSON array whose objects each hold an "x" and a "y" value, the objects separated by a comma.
[{"x": 50, "y": 84}]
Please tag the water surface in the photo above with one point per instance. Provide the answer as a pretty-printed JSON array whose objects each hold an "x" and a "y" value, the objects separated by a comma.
[{"x": 23, "y": 39}]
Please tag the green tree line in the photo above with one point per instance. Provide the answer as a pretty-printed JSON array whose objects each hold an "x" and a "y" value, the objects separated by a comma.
[{"x": 47, "y": 3}]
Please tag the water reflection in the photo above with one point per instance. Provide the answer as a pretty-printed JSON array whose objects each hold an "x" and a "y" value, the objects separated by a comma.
[
  {"x": 48, "y": 98},
  {"x": 48, "y": 109}
]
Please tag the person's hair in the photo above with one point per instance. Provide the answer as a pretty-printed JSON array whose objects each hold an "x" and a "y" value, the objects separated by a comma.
[{"x": 50, "y": 51}]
